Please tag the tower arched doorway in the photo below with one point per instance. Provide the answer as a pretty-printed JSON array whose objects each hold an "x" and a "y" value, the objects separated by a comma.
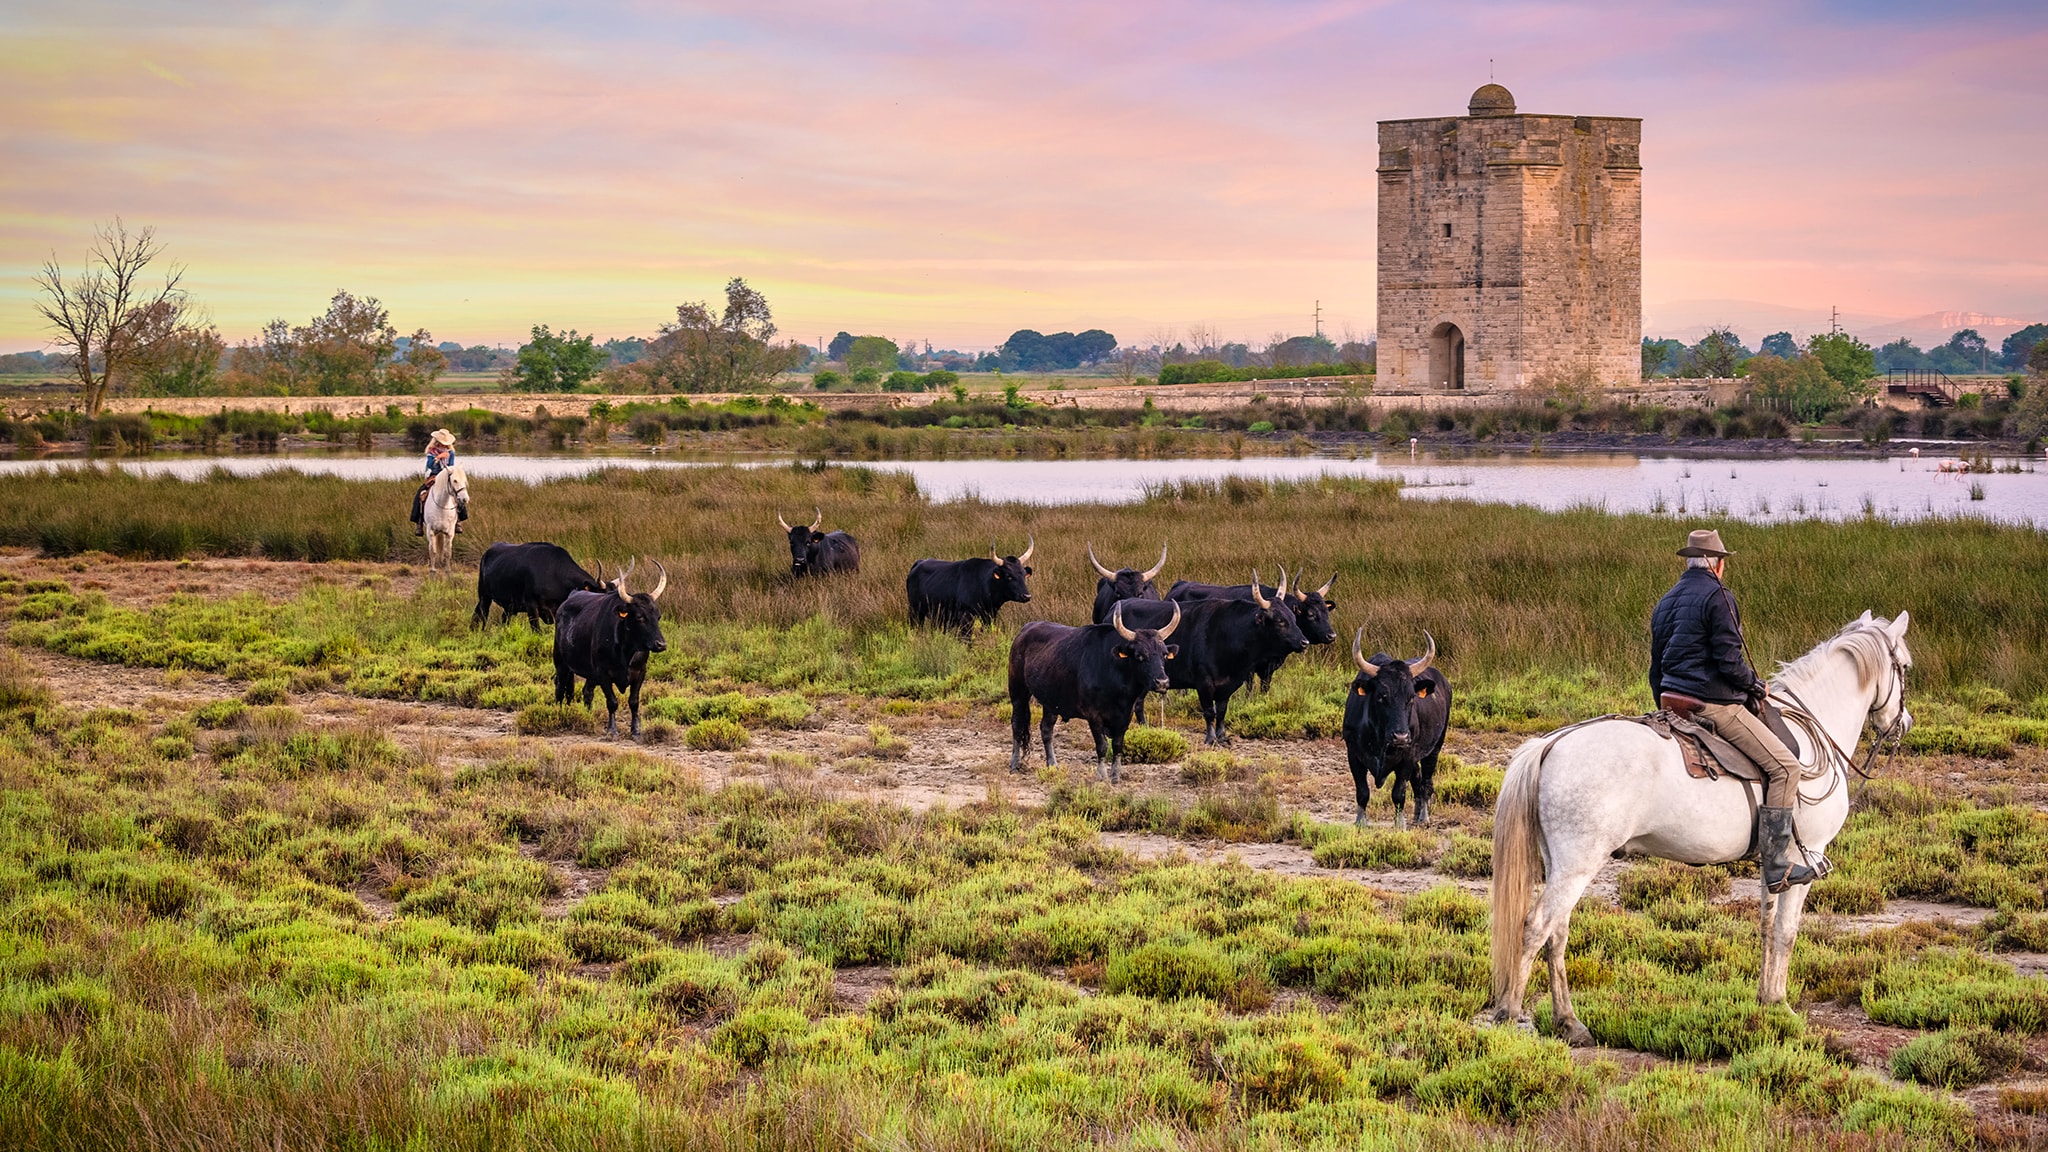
[{"x": 1447, "y": 356}]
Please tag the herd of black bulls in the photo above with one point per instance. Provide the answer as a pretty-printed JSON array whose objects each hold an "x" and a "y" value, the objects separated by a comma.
[{"x": 1211, "y": 638}]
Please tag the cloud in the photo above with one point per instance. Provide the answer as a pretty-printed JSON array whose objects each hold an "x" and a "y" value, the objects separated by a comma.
[{"x": 962, "y": 169}]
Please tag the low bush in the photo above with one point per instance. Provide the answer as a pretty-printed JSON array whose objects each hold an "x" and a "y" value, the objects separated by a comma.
[
  {"x": 1957, "y": 1058},
  {"x": 716, "y": 734},
  {"x": 1207, "y": 767},
  {"x": 554, "y": 720},
  {"x": 1174, "y": 972},
  {"x": 1653, "y": 881},
  {"x": 1147, "y": 745}
]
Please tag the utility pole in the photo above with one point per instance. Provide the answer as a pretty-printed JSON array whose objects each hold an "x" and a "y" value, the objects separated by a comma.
[
  {"x": 1319, "y": 319},
  {"x": 1834, "y": 320}
]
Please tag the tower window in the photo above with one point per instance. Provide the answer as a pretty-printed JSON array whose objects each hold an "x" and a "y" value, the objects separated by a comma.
[{"x": 1447, "y": 231}]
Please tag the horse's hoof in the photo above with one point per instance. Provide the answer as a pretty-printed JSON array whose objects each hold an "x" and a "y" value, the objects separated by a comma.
[
  {"x": 1577, "y": 1035},
  {"x": 1358, "y": 821}
]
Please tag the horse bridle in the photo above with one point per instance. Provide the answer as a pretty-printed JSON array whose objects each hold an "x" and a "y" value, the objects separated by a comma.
[{"x": 1886, "y": 742}]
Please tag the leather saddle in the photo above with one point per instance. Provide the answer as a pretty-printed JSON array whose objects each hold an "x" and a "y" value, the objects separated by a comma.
[{"x": 1708, "y": 756}]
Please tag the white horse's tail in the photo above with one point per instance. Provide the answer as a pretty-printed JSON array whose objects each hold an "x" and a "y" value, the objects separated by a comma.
[{"x": 1517, "y": 858}]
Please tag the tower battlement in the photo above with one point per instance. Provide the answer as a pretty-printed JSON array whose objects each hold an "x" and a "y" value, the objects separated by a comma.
[{"x": 1510, "y": 249}]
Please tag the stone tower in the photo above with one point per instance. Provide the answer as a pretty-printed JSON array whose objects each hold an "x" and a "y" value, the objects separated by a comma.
[{"x": 1510, "y": 250}]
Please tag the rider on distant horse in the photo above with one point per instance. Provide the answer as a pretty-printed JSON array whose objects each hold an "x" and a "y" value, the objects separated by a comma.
[
  {"x": 440, "y": 458},
  {"x": 1696, "y": 651}
]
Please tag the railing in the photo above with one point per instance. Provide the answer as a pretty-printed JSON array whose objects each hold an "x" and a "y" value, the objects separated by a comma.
[{"x": 1931, "y": 383}]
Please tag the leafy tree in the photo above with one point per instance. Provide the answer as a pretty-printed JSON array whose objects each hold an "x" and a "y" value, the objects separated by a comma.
[
  {"x": 422, "y": 364},
  {"x": 825, "y": 379},
  {"x": 709, "y": 351},
  {"x": 553, "y": 362},
  {"x": 1801, "y": 386},
  {"x": 1716, "y": 355},
  {"x": 1302, "y": 350},
  {"x": 1662, "y": 357},
  {"x": 173, "y": 356},
  {"x": 837, "y": 349},
  {"x": 1898, "y": 356},
  {"x": 876, "y": 352},
  {"x": 96, "y": 314},
  {"x": 625, "y": 350},
  {"x": 1034, "y": 351},
  {"x": 2014, "y": 351},
  {"x": 1848, "y": 360},
  {"x": 343, "y": 351},
  {"x": 1779, "y": 344},
  {"x": 1971, "y": 348}
]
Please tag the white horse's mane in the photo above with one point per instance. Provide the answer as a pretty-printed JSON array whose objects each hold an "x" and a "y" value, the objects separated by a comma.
[{"x": 1866, "y": 642}]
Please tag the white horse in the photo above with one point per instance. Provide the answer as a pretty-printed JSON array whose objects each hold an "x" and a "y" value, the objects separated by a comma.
[
  {"x": 449, "y": 494},
  {"x": 1571, "y": 799}
]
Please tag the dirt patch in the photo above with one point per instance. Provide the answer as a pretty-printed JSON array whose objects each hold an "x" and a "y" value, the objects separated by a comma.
[
  {"x": 726, "y": 945},
  {"x": 853, "y": 988}
]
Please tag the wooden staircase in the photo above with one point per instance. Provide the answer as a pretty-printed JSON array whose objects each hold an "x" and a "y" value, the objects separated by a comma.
[{"x": 1931, "y": 385}]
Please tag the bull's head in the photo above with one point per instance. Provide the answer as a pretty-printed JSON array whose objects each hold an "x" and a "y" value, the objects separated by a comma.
[
  {"x": 1007, "y": 581},
  {"x": 800, "y": 541},
  {"x": 636, "y": 616},
  {"x": 1129, "y": 583},
  {"x": 1274, "y": 618},
  {"x": 1391, "y": 687},
  {"x": 1312, "y": 608},
  {"x": 1144, "y": 651}
]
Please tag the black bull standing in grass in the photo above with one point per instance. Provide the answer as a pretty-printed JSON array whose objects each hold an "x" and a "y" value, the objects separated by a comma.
[
  {"x": 531, "y": 578},
  {"x": 815, "y": 553},
  {"x": 1123, "y": 584},
  {"x": 606, "y": 637},
  {"x": 1098, "y": 672},
  {"x": 1223, "y": 644},
  {"x": 962, "y": 593},
  {"x": 1311, "y": 610},
  {"x": 1395, "y": 718}
]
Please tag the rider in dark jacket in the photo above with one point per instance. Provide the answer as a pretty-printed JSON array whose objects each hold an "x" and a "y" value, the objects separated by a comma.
[{"x": 1696, "y": 651}]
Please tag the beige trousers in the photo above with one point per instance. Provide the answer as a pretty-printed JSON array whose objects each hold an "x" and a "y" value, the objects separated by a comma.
[{"x": 1754, "y": 739}]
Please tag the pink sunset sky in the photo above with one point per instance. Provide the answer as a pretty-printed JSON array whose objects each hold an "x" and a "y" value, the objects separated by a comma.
[{"x": 953, "y": 171}]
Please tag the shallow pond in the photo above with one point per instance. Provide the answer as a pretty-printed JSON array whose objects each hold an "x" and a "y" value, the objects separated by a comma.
[{"x": 1903, "y": 487}]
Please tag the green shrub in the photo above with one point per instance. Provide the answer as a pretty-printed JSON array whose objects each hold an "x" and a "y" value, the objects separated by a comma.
[
  {"x": 1285, "y": 1073},
  {"x": 1476, "y": 785},
  {"x": 1468, "y": 857},
  {"x": 1145, "y": 745},
  {"x": 1653, "y": 881},
  {"x": 2013, "y": 931},
  {"x": 1175, "y": 972},
  {"x": 1375, "y": 848},
  {"x": 20, "y": 687},
  {"x": 1260, "y": 426},
  {"x": 1958, "y": 1058},
  {"x": 754, "y": 1036},
  {"x": 219, "y": 714},
  {"x": 1848, "y": 895},
  {"x": 1212, "y": 766},
  {"x": 1446, "y": 907},
  {"x": 554, "y": 720},
  {"x": 716, "y": 734},
  {"x": 269, "y": 690}
]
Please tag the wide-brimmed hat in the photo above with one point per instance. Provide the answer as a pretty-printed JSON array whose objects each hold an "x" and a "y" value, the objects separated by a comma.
[
  {"x": 443, "y": 437},
  {"x": 1704, "y": 542}
]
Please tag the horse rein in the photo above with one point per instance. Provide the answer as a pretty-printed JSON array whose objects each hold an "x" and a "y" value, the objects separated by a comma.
[{"x": 1886, "y": 742}]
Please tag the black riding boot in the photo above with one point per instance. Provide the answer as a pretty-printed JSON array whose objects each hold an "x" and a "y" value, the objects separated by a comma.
[
  {"x": 419, "y": 520},
  {"x": 1774, "y": 845}
]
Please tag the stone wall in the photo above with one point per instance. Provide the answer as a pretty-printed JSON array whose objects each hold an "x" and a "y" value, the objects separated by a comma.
[{"x": 1522, "y": 231}]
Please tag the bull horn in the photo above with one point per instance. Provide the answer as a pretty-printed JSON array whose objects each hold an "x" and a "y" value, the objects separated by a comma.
[
  {"x": 1420, "y": 665},
  {"x": 1171, "y": 624},
  {"x": 1280, "y": 590},
  {"x": 1153, "y": 572},
  {"x": 780, "y": 520},
  {"x": 1358, "y": 653},
  {"x": 660, "y": 585},
  {"x": 1030, "y": 546},
  {"x": 993, "y": 554},
  {"x": 626, "y": 572},
  {"x": 1327, "y": 584},
  {"x": 820, "y": 519},
  {"x": 1116, "y": 617},
  {"x": 1105, "y": 573},
  {"x": 1259, "y": 597}
]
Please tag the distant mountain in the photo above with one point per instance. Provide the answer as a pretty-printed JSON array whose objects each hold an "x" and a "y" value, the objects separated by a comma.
[
  {"x": 1936, "y": 327},
  {"x": 1752, "y": 320}
]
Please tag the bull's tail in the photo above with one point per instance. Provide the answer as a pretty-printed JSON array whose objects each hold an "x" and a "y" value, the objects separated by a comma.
[{"x": 1517, "y": 859}]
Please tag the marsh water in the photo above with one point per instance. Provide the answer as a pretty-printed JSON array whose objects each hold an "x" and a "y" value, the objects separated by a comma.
[{"x": 1900, "y": 487}]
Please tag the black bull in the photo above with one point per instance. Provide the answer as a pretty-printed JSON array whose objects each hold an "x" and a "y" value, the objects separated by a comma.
[
  {"x": 531, "y": 578},
  {"x": 1098, "y": 672},
  {"x": 1123, "y": 584},
  {"x": 1395, "y": 717},
  {"x": 815, "y": 553},
  {"x": 1311, "y": 609},
  {"x": 961, "y": 593},
  {"x": 606, "y": 637},
  {"x": 1222, "y": 643}
]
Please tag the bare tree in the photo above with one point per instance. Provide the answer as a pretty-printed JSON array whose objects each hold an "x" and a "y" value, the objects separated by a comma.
[
  {"x": 97, "y": 314},
  {"x": 1202, "y": 341}
]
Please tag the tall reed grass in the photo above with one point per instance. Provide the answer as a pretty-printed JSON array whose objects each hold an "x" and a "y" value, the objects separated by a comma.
[{"x": 1556, "y": 603}]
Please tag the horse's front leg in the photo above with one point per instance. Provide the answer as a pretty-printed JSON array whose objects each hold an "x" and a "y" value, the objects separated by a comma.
[{"x": 1784, "y": 929}]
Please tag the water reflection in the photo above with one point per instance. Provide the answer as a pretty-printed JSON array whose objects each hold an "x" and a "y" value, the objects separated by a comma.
[{"x": 1903, "y": 487}]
